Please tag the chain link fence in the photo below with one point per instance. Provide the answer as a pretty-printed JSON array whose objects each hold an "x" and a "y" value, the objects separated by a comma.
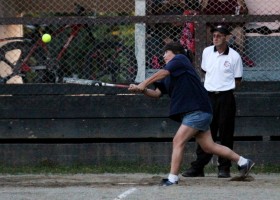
[{"x": 121, "y": 41}]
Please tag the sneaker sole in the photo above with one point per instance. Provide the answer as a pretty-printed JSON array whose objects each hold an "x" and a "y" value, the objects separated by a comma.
[
  {"x": 247, "y": 173},
  {"x": 162, "y": 185},
  {"x": 165, "y": 183}
]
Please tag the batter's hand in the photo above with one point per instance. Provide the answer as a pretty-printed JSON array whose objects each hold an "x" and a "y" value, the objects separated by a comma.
[
  {"x": 134, "y": 88},
  {"x": 141, "y": 86}
]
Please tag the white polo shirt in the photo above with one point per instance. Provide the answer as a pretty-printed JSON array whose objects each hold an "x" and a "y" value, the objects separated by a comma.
[{"x": 221, "y": 69}]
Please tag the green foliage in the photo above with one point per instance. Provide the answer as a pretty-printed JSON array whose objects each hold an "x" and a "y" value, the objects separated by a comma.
[
  {"x": 109, "y": 167},
  {"x": 99, "y": 40}
]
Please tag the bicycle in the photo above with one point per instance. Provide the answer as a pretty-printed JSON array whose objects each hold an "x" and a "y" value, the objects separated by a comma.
[{"x": 35, "y": 64}]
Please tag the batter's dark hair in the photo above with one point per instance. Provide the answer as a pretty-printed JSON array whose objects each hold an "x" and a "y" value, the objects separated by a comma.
[{"x": 177, "y": 48}]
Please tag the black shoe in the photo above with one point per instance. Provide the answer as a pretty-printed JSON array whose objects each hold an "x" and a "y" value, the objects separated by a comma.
[
  {"x": 166, "y": 182},
  {"x": 224, "y": 173},
  {"x": 191, "y": 172},
  {"x": 245, "y": 169}
]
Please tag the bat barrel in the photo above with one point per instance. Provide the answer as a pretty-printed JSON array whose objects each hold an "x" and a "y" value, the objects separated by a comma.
[
  {"x": 92, "y": 82},
  {"x": 115, "y": 85}
]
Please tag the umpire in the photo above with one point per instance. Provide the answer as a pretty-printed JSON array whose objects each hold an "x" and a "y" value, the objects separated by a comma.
[{"x": 223, "y": 72}]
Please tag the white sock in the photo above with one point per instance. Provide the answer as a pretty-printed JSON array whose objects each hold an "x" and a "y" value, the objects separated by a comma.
[
  {"x": 242, "y": 161},
  {"x": 173, "y": 178}
]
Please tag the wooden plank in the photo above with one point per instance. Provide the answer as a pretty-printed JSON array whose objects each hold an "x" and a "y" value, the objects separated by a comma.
[
  {"x": 257, "y": 126},
  {"x": 259, "y": 86},
  {"x": 258, "y": 104},
  {"x": 47, "y": 106},
  {"x": 100, "y": 153},
  {"x": 58, "y": 106},
  {"x": 88, "y": 128},
  {"x": 58, "y": 89},
  {"x": 121, "y": 128}
]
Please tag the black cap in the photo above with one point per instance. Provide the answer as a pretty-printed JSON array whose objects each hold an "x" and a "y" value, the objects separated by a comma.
[{"x": 222, "y": 29}]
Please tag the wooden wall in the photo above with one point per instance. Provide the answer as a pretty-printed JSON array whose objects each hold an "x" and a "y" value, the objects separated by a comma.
[{"x": 70, "y": 124}]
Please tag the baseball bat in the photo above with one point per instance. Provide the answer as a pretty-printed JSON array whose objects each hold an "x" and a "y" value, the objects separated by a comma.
[{"x": 92, "y": 82}]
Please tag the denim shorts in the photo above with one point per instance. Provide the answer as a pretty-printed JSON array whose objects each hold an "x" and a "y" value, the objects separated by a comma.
[{"x": 198, "y": 120}]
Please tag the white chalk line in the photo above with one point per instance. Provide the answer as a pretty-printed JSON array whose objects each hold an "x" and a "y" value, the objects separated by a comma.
[{"x": 125, "y": 194}]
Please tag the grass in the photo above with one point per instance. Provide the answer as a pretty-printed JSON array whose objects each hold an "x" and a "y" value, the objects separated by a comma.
[
  {"x": 114, "y": 167},
  {"x": 74, "y": 169}
]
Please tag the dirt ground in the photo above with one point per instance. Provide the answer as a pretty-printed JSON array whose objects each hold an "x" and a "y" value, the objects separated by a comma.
[{"x": 136, "y": 186}]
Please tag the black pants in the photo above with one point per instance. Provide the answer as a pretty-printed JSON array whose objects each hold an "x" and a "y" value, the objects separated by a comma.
[{"x": 224, "y": 108}]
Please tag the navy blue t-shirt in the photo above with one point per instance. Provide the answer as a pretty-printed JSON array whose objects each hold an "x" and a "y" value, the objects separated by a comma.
[{"x": 184, "y": 88}]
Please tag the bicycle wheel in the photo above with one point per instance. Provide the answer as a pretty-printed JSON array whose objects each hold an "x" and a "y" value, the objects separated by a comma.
[
  {"x": 37, "y": 69},
  {"x": 11, "y": 55}
]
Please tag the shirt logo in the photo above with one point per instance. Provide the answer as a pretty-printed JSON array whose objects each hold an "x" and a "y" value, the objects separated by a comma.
[{"x": 227, "y": 64}]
